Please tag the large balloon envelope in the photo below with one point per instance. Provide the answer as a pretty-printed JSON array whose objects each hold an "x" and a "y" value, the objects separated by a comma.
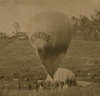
[{"x": 50, "y": 34}]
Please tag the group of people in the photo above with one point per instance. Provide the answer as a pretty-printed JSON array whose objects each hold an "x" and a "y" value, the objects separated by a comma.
[
  {"x": 62, "y": 79},
  {"x": 52, "y": 85}
]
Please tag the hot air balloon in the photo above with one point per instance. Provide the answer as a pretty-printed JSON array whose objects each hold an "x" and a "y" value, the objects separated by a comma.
[{"x": 50, "y": 34}]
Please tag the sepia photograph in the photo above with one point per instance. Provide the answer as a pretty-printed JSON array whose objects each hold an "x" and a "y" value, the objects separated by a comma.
[{"x": 49, "y": 48}]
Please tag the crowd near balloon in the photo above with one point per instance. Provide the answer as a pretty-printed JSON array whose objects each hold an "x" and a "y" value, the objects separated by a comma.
[{"x": 62, "y": 79}]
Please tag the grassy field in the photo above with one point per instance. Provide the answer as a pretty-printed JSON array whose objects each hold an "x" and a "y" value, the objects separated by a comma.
[
  {"x": 73, "y": 91},
  {"x": 19, "y": 54},
  {"x": 18, "y": 59}
]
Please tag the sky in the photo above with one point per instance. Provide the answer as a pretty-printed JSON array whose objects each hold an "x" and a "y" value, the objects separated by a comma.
[{"x": 21, "y": 11}]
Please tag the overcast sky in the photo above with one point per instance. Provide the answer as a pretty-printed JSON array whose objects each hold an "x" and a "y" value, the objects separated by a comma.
[{"x": 21, "y": 10}]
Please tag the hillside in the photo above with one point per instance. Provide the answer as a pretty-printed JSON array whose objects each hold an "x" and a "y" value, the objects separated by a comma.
[
  {"x": 85, "y": 49},
  {"x": 82, "y": 57},
  {"x": 17, "y": 58}
]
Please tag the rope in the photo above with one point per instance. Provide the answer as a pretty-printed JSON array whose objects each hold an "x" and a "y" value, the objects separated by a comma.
[{"x": 36, "y": 50}]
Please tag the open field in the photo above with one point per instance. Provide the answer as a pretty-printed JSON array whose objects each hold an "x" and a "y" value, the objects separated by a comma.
[
  {"x": 17, "y": 56},
  {"x": 18, "y": 59},
  {"x": 74, "y": 91}
]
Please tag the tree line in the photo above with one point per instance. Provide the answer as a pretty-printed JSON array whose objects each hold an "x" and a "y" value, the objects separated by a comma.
[
  {"x": 87, "y": 28},
  {"x": 16, "y": 33}
]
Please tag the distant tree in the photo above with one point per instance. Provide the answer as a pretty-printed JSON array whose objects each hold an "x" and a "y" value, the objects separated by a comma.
[
  {"x": 75, "y": 21},
  {"x": 95, "y": 21},
  {"x": 84, "y": 23},
  {"x": 89, "y": 27},
  {"x": 95, "y": 24},
  {"x": 16, "y": 27},
  {"x": 81, "y": 24}
]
